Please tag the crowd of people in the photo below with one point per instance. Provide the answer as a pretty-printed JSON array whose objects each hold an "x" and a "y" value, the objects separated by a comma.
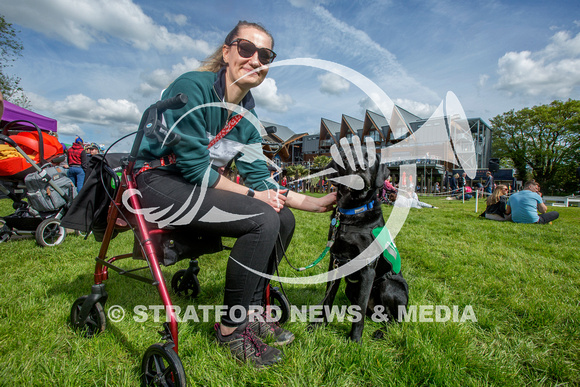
[
  {"x": 77, "y": 161},
  {"x": 525, "y": 206}
]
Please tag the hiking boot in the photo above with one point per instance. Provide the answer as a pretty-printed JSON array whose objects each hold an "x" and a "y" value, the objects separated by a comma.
[
  {"x": 266, "y": 330},
  {"x": 245, "y": 346}
]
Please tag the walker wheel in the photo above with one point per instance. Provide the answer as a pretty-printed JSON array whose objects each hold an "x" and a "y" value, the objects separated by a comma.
[
  {"x": 278, "y": 299},
  {"x": 161, "y": 366},
  {"x": 50, "y": 233},
  {"x": 5, "y": 231},
  {"x": 95, "y": 322},
  {"x": 185, "y": 287}
]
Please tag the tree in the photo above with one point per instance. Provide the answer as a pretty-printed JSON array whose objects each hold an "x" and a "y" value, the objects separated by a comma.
[
  {"x": 544, "y": 139},
  {"x": 10, "y": 50},
  {"x": 320, "y": 162},
  {"x": 297, "y": 171}
]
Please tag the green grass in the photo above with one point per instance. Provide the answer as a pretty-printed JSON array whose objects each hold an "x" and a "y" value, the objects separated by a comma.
[{"x": 522, "y": 282}]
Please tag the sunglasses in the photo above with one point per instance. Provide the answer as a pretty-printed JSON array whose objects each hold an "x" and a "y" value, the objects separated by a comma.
[{"x": 247, "y": 49}]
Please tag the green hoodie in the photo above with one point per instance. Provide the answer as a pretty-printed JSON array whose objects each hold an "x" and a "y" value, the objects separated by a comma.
[{"x": 198, "y": 127}]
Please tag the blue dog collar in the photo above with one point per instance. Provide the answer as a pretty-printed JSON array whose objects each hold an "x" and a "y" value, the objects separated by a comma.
[{"x": 357, "y": 210}]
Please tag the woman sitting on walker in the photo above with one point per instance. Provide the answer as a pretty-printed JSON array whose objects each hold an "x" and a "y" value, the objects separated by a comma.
[{"x": 258, "y": 213}]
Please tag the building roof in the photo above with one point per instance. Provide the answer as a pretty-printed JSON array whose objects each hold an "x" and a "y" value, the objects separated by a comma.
[
  {"x": 283, "y": 133},
  {"x": 350, "y": 124}
]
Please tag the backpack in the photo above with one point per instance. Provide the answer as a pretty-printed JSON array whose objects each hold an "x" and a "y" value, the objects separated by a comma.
[
  {"x": 42, "y": 196},
  {"x": 88, "y": 212}
]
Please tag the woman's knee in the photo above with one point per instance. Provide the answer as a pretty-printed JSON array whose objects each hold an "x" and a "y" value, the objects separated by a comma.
[
  {"x": 287, "y": 221},
  {"x": 267, "y": 222}
]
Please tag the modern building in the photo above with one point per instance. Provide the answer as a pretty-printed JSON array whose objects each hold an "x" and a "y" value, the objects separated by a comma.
[{"x": 429, "y": 136}]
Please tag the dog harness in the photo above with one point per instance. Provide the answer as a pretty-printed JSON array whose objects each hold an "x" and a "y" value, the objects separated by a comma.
[{"x": 390, "y": 251}]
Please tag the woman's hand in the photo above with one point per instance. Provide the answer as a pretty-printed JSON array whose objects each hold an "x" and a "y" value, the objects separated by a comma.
[
  {"x": 327, "y": 202},
  {"x": 310, "y": 203},
  {"x": 276, "y": 199}
]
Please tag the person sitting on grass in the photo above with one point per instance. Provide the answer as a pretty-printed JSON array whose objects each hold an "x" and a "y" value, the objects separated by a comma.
[
  {"x": 408, "y": 199},
  {"x": 496, "y": 204},
  {"x": 524, "y": 206}
]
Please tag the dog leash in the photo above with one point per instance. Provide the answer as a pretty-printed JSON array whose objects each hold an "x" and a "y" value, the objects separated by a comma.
[{"x": 335, "y": 222}]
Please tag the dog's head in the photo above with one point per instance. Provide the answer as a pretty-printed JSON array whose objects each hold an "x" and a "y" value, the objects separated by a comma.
[{"x": 359, "y": 174}]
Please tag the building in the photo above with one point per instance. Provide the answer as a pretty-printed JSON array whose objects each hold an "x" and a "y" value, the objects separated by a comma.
[{"x": 432, "y": 137}]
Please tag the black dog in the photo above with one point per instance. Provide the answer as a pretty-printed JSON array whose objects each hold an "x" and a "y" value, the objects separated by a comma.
[{"x": 375, "y": 287}]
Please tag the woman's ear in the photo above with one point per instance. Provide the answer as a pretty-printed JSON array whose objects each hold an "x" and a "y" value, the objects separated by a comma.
[{"x": 226, "y": 52}]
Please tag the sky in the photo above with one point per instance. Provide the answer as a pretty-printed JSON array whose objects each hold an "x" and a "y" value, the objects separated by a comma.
[{"x": 96, "y": 65}]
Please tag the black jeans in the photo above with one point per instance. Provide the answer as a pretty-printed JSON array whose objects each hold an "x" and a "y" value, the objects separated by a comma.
[
  {"x": 548, "y": 217},
  {"x": 256, "y": 225}
]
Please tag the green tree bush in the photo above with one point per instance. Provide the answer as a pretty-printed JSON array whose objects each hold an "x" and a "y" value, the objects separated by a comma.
[{"x": 544, "y": 139}]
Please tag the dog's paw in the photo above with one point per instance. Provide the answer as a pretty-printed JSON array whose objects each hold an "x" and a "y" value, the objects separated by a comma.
[{"x": 378, "y": 334}]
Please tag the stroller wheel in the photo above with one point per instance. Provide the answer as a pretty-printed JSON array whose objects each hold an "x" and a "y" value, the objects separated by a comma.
[
  {"x": 185, "y": 285},
  {"x": 50, "y": 233},
  {"x": 282, "y": 311},
  {"x": 95, "y": 322},
  {"x": 162, "y": 367}
]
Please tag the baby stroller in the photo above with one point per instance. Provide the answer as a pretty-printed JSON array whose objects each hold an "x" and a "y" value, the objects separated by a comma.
[
  {"x": 100, "y": 209},
  {"x": 27, "y": 171}
]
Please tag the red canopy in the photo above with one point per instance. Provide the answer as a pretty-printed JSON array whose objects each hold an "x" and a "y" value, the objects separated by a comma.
[{"x": 14, "y": 112}]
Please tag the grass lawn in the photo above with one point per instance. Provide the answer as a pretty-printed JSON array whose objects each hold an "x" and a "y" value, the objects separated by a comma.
[{"x": 521, "y": 282}]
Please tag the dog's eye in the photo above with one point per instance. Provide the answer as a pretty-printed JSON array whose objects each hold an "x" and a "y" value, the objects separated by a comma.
[{"x": 351, "y": 181}]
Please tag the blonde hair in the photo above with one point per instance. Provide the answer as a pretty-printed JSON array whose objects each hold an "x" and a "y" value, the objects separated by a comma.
[
  {"x": 215, "y": 61},
  {"x": 497, "y": 193}
]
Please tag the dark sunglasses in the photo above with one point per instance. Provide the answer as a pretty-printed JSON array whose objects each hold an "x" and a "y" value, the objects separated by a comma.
[{"x": 247, "y": 49}]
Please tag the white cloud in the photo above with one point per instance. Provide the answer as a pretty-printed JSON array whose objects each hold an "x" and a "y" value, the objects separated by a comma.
[
  {"x": 159, "y": 79},
  {"x": 267, "y": 97},
  {"x": 420, "y": 109},
  {"x": 333, "y": 84},
  {"x": 553, "y": 71},
  {"x": 306, "y": 3},
  {"x": 180, "y": 20},
  {"x": 380, "y": 62},
  {"x": 70, "y": 130},
  {"x": 121, "y": 114},
  {"x": 482, "y": 80},
  {"x": 83, "y": 22}
]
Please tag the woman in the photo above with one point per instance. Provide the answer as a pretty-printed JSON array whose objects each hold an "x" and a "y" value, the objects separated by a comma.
[
  {"x": 496, "y": 203},
  {"x": 265, "y": 224}
]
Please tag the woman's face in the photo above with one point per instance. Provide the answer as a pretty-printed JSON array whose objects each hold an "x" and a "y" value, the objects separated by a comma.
[{"x": 239, "y": 66}]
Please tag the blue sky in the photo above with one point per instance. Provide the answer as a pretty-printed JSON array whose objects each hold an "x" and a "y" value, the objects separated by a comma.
[{"x": 95, "y": 65}]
